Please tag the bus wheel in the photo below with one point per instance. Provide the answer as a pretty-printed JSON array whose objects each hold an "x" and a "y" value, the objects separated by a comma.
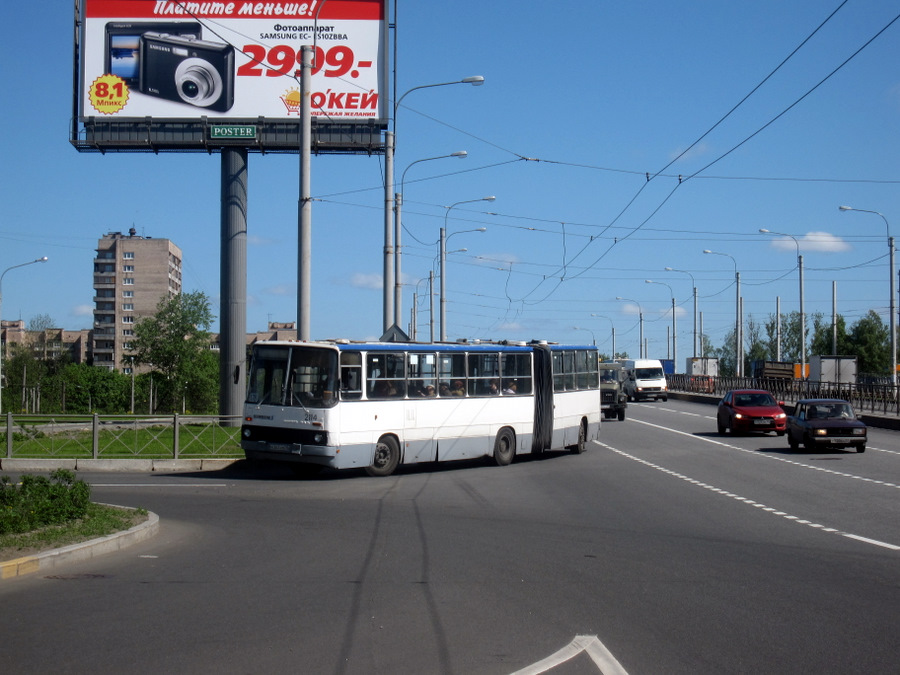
[
  {"x": 578, "y": 448},
  {"x": 387, "y": 457},
  {"x": 504, "y": 447}
]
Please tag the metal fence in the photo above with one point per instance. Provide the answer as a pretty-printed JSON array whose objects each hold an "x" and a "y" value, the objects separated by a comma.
[
  {"x": 121, "y": 436},
  {"x": 872, "y": 398}
]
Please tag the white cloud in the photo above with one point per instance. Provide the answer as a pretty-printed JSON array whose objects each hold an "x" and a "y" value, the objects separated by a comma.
[
  {"x": 280, "y": 290},
  {"x": 822, "y": 242},
  {"x": 372, "y": 281},
  {"x": 83, "y": 310},
  {"x": 698, "y": 150}
]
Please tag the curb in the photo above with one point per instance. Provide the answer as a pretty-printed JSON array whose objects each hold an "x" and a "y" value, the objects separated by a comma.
[
  {"x": 48, "y": 560},
  {"x": 140, "y": 465}
]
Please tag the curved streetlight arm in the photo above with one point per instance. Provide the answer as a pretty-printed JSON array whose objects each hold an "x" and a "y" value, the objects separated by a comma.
[
  {"x": 738, "y": 324},
  {"x": 640, "y": 323},
  {"x": 694, "y": 287},
  {"x": 594, "y": 339},
  {"x": 893, "y": 306},
  {"x": 475, "y": 81},
  {"x": 462, "y": 154},
  {"x": 32, "y": 262},
  {"x": 763, "y": 230}
]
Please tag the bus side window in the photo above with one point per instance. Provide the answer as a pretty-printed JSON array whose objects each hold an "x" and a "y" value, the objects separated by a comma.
[
  {"x": 516, "y": 372},
  {"x": 351, "y": 376},
  {"x": 452, "y": 372}
]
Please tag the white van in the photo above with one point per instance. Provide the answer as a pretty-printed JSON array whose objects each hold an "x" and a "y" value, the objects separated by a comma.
[{"x": 645, "y": 379}]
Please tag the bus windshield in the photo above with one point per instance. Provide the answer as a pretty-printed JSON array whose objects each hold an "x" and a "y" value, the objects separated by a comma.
[{"x": 304, "y": 377}]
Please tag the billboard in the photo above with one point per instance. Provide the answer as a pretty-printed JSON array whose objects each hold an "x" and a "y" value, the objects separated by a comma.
[{"x": 146, "y": 63}]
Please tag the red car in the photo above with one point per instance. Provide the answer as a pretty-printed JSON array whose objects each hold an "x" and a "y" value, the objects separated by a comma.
[{"x": 743, "y": 410}]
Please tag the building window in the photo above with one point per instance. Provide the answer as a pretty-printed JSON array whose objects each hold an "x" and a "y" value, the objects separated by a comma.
[
  {"x": 128, "y": 307},
  {"x": 127, "y": 319},
  {"x": 128, "y": 255},
  {"x": 127, "y": 332},
  {"x": 128, "y": 268},
  {"x": 127, "y": 294},
  {"x": 128, "y": 281}
]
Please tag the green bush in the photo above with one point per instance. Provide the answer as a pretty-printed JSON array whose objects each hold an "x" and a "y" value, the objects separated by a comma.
[{"x": 38, "y": 501}]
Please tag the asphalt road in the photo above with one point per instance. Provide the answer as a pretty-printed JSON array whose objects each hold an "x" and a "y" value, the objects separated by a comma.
[{"x": 679, "y": 550}]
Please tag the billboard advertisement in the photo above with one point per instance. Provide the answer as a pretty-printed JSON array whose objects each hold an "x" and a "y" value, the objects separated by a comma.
[{"x": 220, "y": 61}]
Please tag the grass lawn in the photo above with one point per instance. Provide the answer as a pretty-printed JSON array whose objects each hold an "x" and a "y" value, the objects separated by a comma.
[{"x": 99, "y": 521}]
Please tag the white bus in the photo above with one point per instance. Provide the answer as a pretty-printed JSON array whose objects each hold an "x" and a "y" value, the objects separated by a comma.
[{"x": 375, "y": 406}]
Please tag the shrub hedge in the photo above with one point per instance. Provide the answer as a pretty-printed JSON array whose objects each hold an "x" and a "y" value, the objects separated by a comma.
[{"x": 38, "y": 501}]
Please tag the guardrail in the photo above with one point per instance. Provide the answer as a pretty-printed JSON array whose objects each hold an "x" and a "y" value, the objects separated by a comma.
[
  {"x": 866, "y": 398},
  {"x": 121, "y": 436}
]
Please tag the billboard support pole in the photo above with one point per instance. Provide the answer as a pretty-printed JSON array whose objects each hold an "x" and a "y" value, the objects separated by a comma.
[
  {"x": 304, "y": 217},
  {"x": 388, "y": 276},
  {"x": 233, "y": 284}
]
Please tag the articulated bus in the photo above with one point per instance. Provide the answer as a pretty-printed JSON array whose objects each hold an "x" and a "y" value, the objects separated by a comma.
[{"x": 341, "y": 404}]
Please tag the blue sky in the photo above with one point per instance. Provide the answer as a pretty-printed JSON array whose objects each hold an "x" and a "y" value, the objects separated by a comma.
[{"x": 578, "y": 131}]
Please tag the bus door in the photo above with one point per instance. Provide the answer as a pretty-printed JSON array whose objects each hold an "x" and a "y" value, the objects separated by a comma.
[{"x": 420, "y": 411}]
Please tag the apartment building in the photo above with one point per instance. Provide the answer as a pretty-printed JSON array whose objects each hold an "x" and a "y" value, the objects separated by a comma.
[{"x": 132, "y": 274}]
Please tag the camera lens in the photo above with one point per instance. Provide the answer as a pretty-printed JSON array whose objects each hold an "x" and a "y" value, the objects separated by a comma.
[
  {"x": 198, "y": 82},
  {"x": 190, "y": 89}
]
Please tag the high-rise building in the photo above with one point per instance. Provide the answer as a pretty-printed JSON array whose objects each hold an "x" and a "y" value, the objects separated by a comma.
[{"x": 131, "y": 275}]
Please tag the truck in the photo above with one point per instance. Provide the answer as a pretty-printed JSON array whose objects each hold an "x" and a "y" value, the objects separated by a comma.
[
  {"x": 613, "y": 400},
  {"x": 772, "y": 370},
  {"x": 702, "y": 365},
  {"x": 645, "y": 379},
  {"x": 834, "y": 369},
  {"x": 668, "y": 366}
]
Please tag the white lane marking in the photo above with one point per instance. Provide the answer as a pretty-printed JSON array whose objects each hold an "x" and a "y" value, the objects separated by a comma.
[
  {"x": 590, "y": 645},
  {"x": 750, "y": 502},
  {"x": 757, "y": 453}
]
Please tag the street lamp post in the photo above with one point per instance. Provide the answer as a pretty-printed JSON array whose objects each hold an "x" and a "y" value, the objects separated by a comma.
[
  {"x": 443, "y": 255},
  {"x": 2, "y": 348},
  {"x": 694, "y": 285},
  {"x": 893, "y": 310},
  {"x": 640, "y": 323},
  {"x": 593, "y": 339},
  {"x": 613, "y": 327},
  {"x": 398, "y": 227},
  {"x": 738, "y": 338},
  {"x": 674, "y": 325},
  {"x": 390, "y": 139},
  {"x": 802, "y": 313}
]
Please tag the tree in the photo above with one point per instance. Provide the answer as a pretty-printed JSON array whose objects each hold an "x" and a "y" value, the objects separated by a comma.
[
  {"x": 755, "y": 348},
  {"x": 822, "y": 340},
  {"x": 175, "y": 342},
  {"x": 40, "y": 322},
  {"x": 790, "y": 336},
  {"x": 88, "y": 389},
  {"x": 870, "y": 341}
]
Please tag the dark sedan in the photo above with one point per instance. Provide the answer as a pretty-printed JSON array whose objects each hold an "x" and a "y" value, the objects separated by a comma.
[
  {"x": 825, "y": 422},
  {"x": 745, "y": 410}
]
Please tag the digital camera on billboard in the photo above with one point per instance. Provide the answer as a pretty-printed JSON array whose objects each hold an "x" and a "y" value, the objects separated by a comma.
[
  {"x": 122, "y": 55},
  {"x": 187, "y": 70}
]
